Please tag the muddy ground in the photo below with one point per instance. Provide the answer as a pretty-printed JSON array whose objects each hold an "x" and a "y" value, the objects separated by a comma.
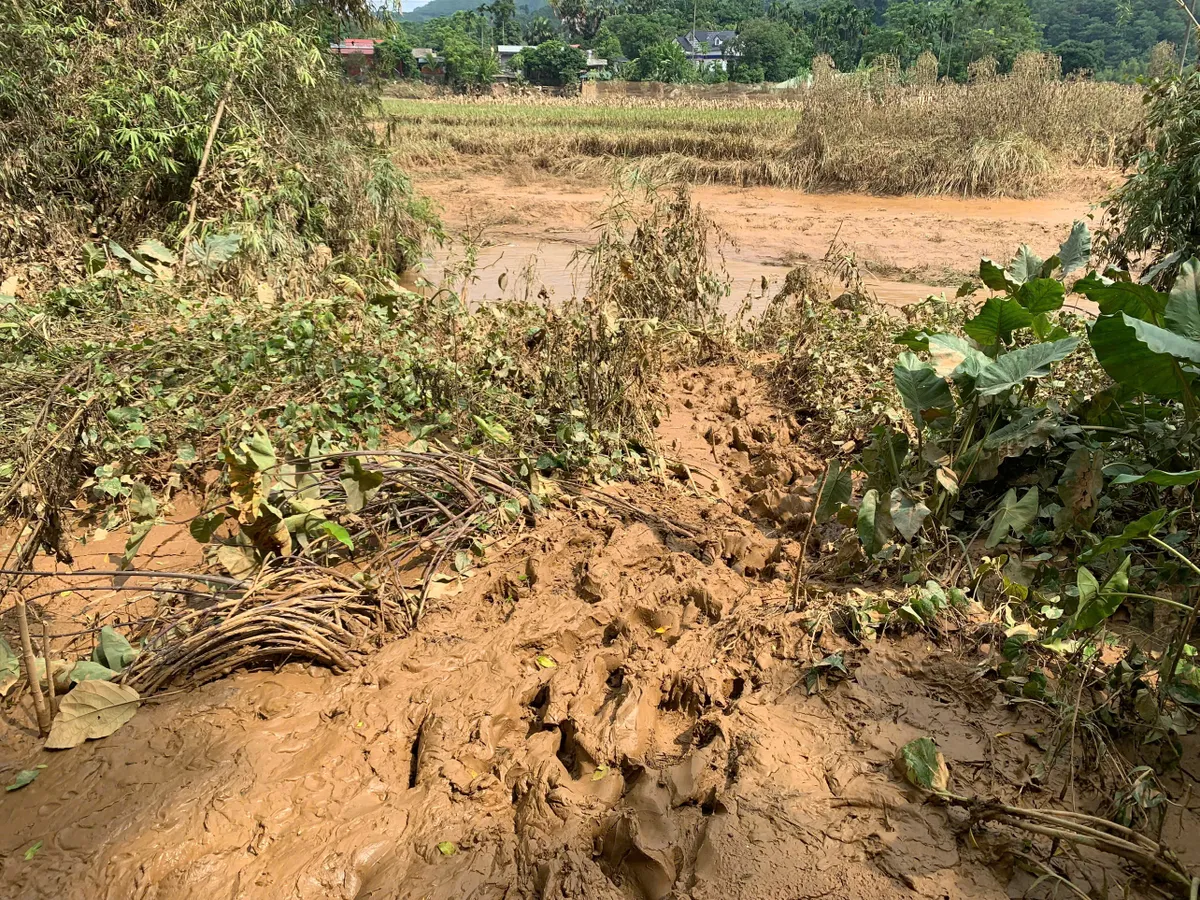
[
  {"x": 608, "y": 708},
  {"x": 531, "y": 224}
]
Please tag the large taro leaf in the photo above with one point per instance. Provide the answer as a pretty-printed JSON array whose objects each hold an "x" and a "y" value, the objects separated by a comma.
[
  {"x": 1138, "y": 300},
  {"x": 93, "y": 709},
  {"x": 1130, "y": 361},
  {"x": 359, "y": 484},
  {"x": 1183, "y": 306},
  {"x": 997, "y": 320},
  {"x": 214, "y": 251},
  {"x": 1025, "y": 266},
  {"x": 1160, "y": 478},
  {"x": 1096, "y": 602},
  {"x": 874, "y": 523},
  {"x": 1014, "y": 368},
  {"x": 995, "y": 277},
  {"x": 1079, "y": 488},
  {"x": 954, "y": 356},
  {"x": 10, "y": 667},
  {"x": 925, "y": 394},
  {"x": 922, "y": 765},
  {"x": 1041, "y": 295},
  {"x": 1134, "y": 531},
  {"x": 834, "y": 488},
  {"x": 1032, "y": 427},
  {"x": 908, "y": 515},
  {"x": 1076, "y": 250},
  {"x": 1013, "y": 516}
]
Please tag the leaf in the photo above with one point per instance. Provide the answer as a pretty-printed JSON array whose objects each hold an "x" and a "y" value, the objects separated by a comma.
[
  {"x": 237, "y": 561},
  {"x": 926, "y": 396},
  {"x": 359, "y": 484},
  {"x": 260, "y": 452},
  {"x": 1143, "y": 527},
  {"x": 157, "y": 251},
  {"x": 908, "y": 515},
  {"x": 546, "y": 662},
  {"x": 995, "y": 277},
  {"x": 1131, "y": 363},
  {"x": 1097, "y": 603},
  {"x": 953, "y": 355},
  {"x": 447, "y": 848},
  {"x": 493, "y": 431},
  {"x": 923, "y": 765},
  {"x": 1011, "y": 370},
  {"x": 203, "y": 526},
  {"x": 137, "y": 536},
  {"x": 32, "y": 851},
  {"x": 94, "y": 709},
  {"x": 10, "y": 667},
  {"x": 337, "y": 532},
  {"x": 1045, "y": 330},
  {"x": 135, "y": 264},
  {"x": 93, "y": 258},
  {"x": 1183, "y": 306},
  {"x": 113, "y": 650},
  {"x": 997, "y": 320},
  {"x": 24, "y": 777},
  {"x": 1041, "y": 295},
  {"x": 87, "y": 670},
  {"x": 1079, "y": 488},
  {"x": 1076, "y": 250},
  {"x": 462, "y": 562},
  {"x": 1025, "y": 266},
  {"x": 1138, "y": 300},
  {"x": 874, "y": 523},
  {"x": 834, "y": 488},
  {"x": 1161, "y": 478},
  {"x": 142, "y": 504},
  {"x": 1013, "y": 515},
  {"x": 212, "y": 252}
]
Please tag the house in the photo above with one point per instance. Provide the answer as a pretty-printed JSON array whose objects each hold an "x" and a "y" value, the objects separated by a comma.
[
  {"x": 505, "y": 53},
  {"x": 707, "y": 47},
  {"x": 358, "y": 52}
]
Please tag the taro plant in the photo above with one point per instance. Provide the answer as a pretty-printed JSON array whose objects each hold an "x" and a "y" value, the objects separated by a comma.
[{"x": 970, "y": 400}]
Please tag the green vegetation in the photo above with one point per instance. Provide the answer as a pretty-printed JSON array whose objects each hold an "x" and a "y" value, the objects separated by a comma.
[
  {"x": 781, "y": 40},
  {"x": 552, "y": 64}
]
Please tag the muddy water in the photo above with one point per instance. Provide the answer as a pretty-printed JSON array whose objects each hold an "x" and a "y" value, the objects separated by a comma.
[{"x": 532, "y": 227}]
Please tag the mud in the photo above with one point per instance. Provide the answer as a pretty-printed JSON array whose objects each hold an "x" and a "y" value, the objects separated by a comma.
[
  {"x": 603, "y": 711},
  {"x": 532, "y": 225}
]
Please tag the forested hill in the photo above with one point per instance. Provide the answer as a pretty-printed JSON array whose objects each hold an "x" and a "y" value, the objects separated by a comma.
[{"x": 1111, "y": 38}]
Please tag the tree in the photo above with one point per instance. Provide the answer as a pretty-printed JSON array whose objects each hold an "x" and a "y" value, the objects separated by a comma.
[
  {"x": 538, "y": 30},
  {"x": 1077, "y": 56},
  {"x": 552, "y": 64},
  {"x": 764, "y": 52},
  {"x": 505, "y": 27},
  {"x": 582, "y": 18},
  {"x": 395, "y": 56},
  {"x": 664, "y": 61},
  {"x": 466, "y": 63}
]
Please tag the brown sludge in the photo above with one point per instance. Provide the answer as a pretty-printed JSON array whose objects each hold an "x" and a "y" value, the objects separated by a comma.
[{"x": 604, "y": 711}]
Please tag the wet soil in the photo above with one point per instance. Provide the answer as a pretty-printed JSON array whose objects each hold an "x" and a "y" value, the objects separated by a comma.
[
  {"x": 531, "y": 225},
  {"x": 604, "y": 710}
]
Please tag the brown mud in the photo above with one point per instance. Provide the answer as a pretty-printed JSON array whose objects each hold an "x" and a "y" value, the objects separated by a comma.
[
  {"x": 605, "y": 710},
  {"x": 530, "y": 225}
]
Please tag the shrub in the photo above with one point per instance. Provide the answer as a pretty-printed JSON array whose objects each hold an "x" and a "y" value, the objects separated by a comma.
[{"x": 552, "y": 64}]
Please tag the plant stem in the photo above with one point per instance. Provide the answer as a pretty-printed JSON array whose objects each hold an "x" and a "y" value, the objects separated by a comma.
[
  {"x": 35, "y": 686},
  {"x": 52, "y": 701}
]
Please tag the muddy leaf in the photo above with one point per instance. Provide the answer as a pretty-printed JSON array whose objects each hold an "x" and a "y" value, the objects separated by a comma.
[
  {"x": 32, "y": 851},
  {"x": 157, "y": 251},
  {"x": 908, "y": 515},
  {"x": 462, "y": 562},
  {"x": 447, "y": 848},
  {"x": 546, "y": 662},
  {"x": 359, "y": 484},
  {"x": 93, "y": 258},
  {"x": 834, "y": 489},
  {"x": 874, "y": 523},
  {"x": 113, "y": 650},
  {"x": 1079, "y": 489},
  {"x": 10, "y": 667},
  {"x": 203, "y": 527},
  {"x": 601, "y": 771},
  {"x": 86, "y": 670},
  {"x": 94, "y": 709},
  {"x": 142, "y": 504},
  {"x": 24, "y": 777},
  {"x": 137, "y": 537},
  {"x": 1014, "y": 515},
  {"x": 237, "y": 561},
  {"x": 923, "y": 766}
]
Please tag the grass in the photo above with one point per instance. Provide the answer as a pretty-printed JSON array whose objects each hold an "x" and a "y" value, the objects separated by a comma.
[{"x": 1005, "y": 136}]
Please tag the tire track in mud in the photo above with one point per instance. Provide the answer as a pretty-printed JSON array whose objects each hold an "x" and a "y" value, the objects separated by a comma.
[{"x": 665, "y": 746}]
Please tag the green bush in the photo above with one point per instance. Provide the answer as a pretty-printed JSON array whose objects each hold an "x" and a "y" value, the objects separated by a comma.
[{"x": 552, "y": 64}]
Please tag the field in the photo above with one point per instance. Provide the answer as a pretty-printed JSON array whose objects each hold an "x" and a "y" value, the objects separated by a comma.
[{"x": 1006, "y": 137}]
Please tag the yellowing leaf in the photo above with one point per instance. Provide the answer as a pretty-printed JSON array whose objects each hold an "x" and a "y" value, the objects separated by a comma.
[
  {"x": 546, "y": 662},
  {"x": 447, "y": 848},
  {"x": 923, "y": 766},
  {"x": 94, "y": 709}
]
